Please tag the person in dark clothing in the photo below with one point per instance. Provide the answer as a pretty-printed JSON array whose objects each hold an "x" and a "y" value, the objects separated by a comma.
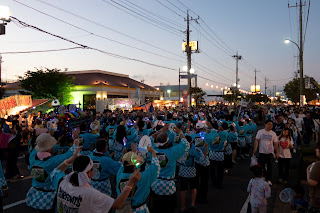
[
  {"x": 13, "y": 152},
  {"x": 278, "y": 126},
  {"x": 307, "y": 126}
]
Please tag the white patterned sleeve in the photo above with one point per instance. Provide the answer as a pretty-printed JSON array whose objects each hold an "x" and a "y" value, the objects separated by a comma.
[
  {"x": 56, "y": 175},
  {"x": 180, "y": 149}
]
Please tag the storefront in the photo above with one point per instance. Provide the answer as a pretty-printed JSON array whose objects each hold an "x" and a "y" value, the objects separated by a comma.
[{"x": 94, "y": 89}]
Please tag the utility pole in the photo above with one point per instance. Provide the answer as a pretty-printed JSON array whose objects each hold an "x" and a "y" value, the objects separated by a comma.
[
  {"x": 188, "y": 50},
  {"x": 300, "y": 47},
  {"x": 179, "y": 84},
  {"x": 301, "y": 58},
  {"x": 255, "y": 80},
  {"x": 265, "y": 85},
  {"x": 237, "y": 57}
]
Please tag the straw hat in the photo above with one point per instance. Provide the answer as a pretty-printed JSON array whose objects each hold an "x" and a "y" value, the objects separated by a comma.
[{"x": 45, "y": 142}]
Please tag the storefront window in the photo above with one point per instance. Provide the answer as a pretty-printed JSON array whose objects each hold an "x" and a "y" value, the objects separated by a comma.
[{"x": 89, "y": 102}]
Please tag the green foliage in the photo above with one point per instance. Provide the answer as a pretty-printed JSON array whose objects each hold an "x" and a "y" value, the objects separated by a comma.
[
  {"x": 292, "y": 90},
  {"x": 257, "y": 98},
  {"x": 48, "y": 83},
  {"x": 232, "y": 95},
  {"x": 198, "y": 94}
]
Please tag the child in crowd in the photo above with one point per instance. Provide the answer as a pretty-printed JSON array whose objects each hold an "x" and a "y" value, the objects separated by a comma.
[
  {"x": 299, "y": 204},
  {"x": 285, "y": 144},
  {"x": 259, "y": 190}
]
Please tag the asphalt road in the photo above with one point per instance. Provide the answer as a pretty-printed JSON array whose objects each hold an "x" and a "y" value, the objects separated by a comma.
[{"x": 229, "y": 199}]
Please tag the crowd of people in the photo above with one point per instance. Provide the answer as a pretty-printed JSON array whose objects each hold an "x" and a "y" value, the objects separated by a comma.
[{"x": 132, "y": 160}]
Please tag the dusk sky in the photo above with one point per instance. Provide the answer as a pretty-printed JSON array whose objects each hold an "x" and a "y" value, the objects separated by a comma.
[{"x": 254, "y": 28}]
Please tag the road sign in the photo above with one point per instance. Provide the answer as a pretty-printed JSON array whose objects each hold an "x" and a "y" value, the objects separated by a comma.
[{"x": 185, "y": 92}]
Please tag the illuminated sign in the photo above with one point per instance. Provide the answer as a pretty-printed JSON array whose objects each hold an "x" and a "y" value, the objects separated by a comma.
[
  {"x": 255, "y": 88},
  {"x": 192, "y": 44}
]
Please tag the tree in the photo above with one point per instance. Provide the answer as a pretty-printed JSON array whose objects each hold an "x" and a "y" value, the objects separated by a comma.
[
  {"x": 232, "y": 95},
  {"x": 257, "y": 98},
  {"x": 198, "y": 94},
  {"x": 48, "y": 83},
  {"x": 292, "y": 90}
]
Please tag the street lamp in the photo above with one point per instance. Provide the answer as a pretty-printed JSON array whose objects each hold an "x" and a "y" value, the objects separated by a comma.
[
  {"x": 287, "y": 41},
  {"x": 185, "y": 68},
  {"x": 192, "y": 70},
  {"x": 207, "y": 84},
  {"x": 169, "y": 91},
  {"x": 4, "y": 17}
]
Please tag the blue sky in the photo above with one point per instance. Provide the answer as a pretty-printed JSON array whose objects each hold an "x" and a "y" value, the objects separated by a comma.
[{"x": 254, "y": 28}]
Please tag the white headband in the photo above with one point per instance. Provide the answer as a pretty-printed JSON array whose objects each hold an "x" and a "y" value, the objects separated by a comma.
[{"x": 82, "y": 176}]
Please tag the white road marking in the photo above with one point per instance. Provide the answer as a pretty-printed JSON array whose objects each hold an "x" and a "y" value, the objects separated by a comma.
[
  {"x": 13, "y": 204},
  {"x": 245, "y": 205}
]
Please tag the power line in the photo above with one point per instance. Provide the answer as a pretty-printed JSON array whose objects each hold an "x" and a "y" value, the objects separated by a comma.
[
  {"x": 232, "y": 51},
  {"x": 224, "y": 48},
  {"x": 169, "y": 9},
  {"x": 204, "y": 69},
  {"x": 41, "y": 51},
  {"x": 17, "y": 21},
  {"x": 305, "y": 32},
  {"x": 100, "y": 36},
  {"x": 172, "y": 31},
  {"x": 155, "y": 14},
  {"x": 176, "y": 6},
  {"x": 144, "y": 15},
  {"x": 228, "y": 68},
  {"x": 212, "y": 80},
  {"x": 21, "y": 42},
  {"x": 293, "y": 64},
  {"x": 213, "y": 42},
  {"x": 105, "y": 27}
]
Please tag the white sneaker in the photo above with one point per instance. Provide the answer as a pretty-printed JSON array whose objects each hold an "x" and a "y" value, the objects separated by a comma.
[
  {"x": 294, "y": 150},
  {"x": 269, "y": 182}
]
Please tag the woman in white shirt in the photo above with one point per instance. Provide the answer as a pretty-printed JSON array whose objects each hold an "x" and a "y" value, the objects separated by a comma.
[
  {"x": 74, "y": 194},
  {"x": 285, "y": 144}
]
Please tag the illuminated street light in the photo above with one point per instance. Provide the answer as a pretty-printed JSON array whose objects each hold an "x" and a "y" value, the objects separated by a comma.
[
  {"x": 4, "y": 17},
  {"x": 185, "y": 68},
  {"x": 217, "y": 87},
  {"x": 302, "y": 84},
  {"x": 287, "y": 41},
  {"x": 207, "y": 84},
  {"x": 212, "y": 86},
  {"x": 234, "y": 84},
  {"x": 192, "y": 70},
  {"x": 238, "y": 86},
  {"x": 169, "y": 91},
  {"x": 5, "y": 13}
]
